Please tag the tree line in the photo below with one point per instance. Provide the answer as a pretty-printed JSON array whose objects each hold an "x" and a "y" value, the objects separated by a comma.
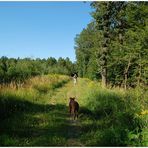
[
  {"x": 18, "y": 70},
  {"x": 114, "y": 46}
]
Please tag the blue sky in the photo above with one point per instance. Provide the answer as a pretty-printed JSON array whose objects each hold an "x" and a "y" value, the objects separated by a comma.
[{"x": 41, "y": 29}]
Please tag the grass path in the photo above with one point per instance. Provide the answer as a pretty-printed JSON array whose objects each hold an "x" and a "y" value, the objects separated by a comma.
[
  {"x": 73, "y": 127},
  {"x": 41, "y": 118},
  {"x": 31, "y": 117},
  {"x": 43, "y": 122},
  {"x": 74, "y": 133}
]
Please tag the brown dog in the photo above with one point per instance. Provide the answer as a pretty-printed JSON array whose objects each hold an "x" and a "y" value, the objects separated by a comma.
[{"x": 73, "y": 108}]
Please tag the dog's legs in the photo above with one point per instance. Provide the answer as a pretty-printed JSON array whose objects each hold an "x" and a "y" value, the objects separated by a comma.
[
  {"x": 74, "y": 116},
  {"x": 77, "y": 115}
]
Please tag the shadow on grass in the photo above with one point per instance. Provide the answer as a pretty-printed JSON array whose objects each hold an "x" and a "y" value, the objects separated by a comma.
[
  {"x": 10, "y": 105},
  {"x": 109, "y": 123},
  {"x": 28, "y": 124}
]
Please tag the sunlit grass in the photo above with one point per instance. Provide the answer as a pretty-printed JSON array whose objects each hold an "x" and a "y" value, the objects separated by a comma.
[
  {"x": 109, "y": 116},
  {"x": 27, "y": 117},
  {"x": 37, "y": 114}
]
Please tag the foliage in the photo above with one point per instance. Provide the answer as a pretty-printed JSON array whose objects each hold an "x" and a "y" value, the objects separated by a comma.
[
  {"x": 114, "y": 46},
  {"x": 38, "y": 114},
  {"x": 86, "y": 51},
  {"x": 16, "y": 71},
  {"x": 112, "y": 117}
]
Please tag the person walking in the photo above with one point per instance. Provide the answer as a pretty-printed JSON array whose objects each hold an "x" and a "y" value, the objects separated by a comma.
[{"x": 75, "y": 78}]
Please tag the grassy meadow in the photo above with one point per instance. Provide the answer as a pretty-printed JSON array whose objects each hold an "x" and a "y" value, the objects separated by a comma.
[{"x": 36, "y": 114}]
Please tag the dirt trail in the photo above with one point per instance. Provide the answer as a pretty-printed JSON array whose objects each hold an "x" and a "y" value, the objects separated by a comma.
[
  {"x": 74, "y": 131},
  {"x": 74, "y": 126}
]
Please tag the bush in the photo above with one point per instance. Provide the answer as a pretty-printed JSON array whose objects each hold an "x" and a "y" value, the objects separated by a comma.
[{"x": 117, "y": 115}]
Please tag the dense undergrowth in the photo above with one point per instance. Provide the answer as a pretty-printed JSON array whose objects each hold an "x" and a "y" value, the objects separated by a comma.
[{"x": 113, "y": 117}]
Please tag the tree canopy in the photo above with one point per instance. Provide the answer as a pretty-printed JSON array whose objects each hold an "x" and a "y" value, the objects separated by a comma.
[
  {"x": 113, "y": 46},
  {"x": 18, "y": 70}
]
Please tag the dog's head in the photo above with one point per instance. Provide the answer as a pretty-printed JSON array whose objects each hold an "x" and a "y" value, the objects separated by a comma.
[{"x": 72, "y": 98}]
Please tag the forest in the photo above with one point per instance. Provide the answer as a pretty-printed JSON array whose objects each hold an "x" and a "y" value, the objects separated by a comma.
[
  {"x": 15, "y": 71},
  {"x": 112, "y": 86},
  {"x": 114, "y": 45}
]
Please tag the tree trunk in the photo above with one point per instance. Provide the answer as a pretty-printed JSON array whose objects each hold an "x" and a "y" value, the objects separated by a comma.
[
  {"x": 104, "y": 67},
  {"x": 139, "y": 75},
  {"x": 104, "y": 76},
  {"x": 126, "y": 74},
  {"x": 125, "y": 81},
  {"x": 105, "y": 50},
  {"x": 139, "y": 71}
]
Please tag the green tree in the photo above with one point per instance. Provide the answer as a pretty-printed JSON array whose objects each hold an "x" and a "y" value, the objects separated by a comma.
[
  {"x": 86, "y": 44},
  {"x": 104, "y": 16}
]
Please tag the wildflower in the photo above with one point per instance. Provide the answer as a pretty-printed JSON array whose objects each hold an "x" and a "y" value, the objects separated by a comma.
[{"x": 144, "y": 112}]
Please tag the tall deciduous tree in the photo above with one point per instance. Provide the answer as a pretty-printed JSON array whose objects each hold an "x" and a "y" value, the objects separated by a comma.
[
  {"x": 86, "y": 44},
  {"x": 117, "y": 42},
  {"x": 105, "y": 17}
]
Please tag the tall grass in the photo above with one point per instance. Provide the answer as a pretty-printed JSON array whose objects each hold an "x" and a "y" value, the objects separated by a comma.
[
  {"x": 37, "y": 88},
  {"x": 28, "y": 118},
  {"x": 113, "y": 117},
  {"x": 108, "y": 117},
  {"x": 46, "y": 83}
]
